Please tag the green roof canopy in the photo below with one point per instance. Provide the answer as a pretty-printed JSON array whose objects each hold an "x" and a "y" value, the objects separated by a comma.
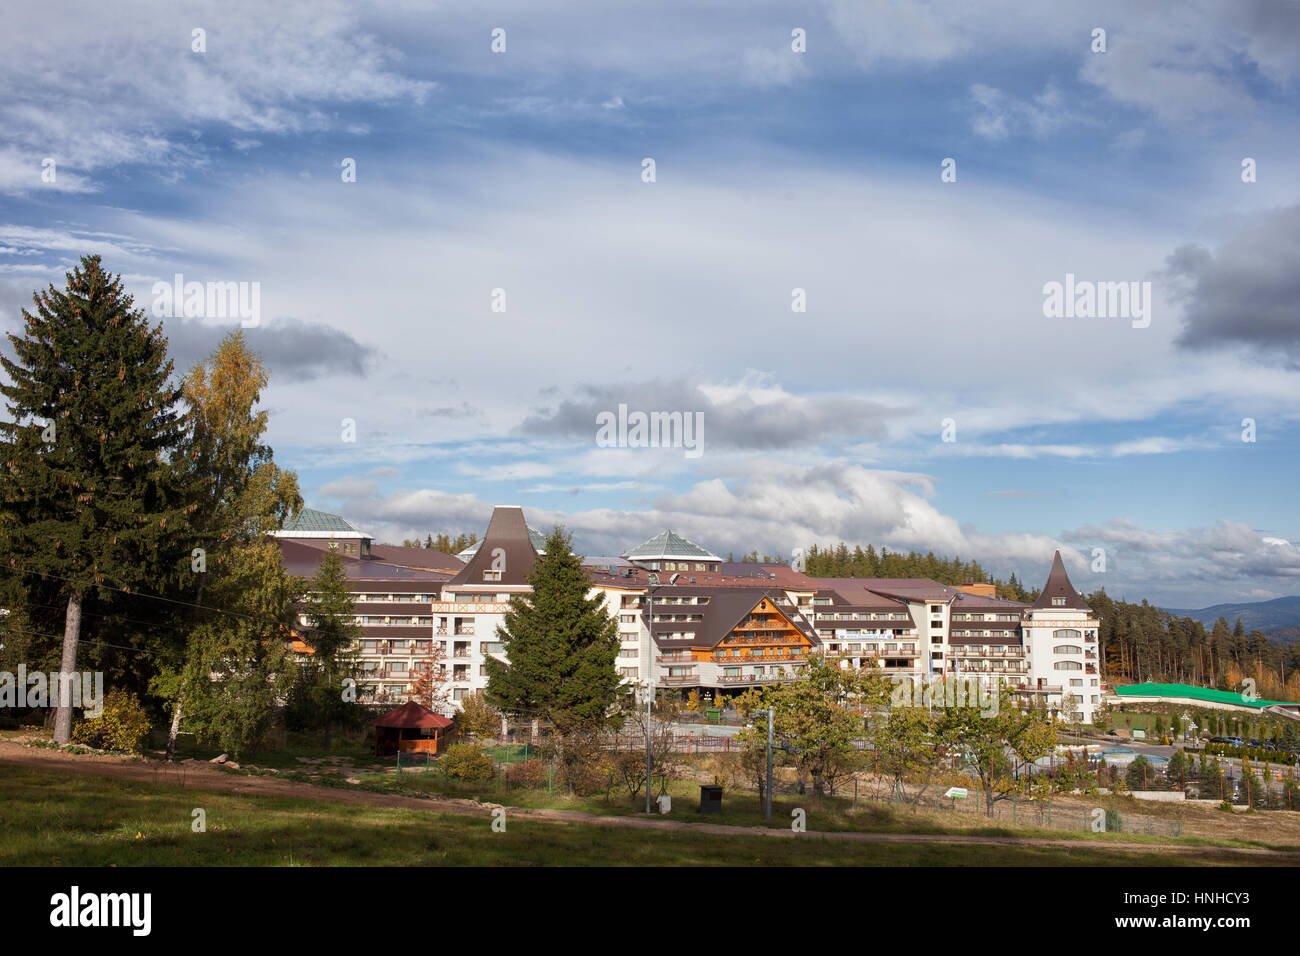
[{"x": 1195, "y": 693}]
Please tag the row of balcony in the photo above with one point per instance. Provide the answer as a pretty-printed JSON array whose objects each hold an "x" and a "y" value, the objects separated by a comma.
[{"x": 759, "y": 659}]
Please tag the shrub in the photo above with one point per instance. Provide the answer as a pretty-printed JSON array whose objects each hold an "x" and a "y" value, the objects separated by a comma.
[
  {"x": 123, "y": 725},
  {"x": 527, "y": 773},
  {"x": 477, "y": 717},
  {"x": 467, "y": 762}
]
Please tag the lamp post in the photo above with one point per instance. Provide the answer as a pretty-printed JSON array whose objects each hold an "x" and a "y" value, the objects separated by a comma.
[
  {"x": 771, "y": 719},
  {"x": 649, "y": 695}
]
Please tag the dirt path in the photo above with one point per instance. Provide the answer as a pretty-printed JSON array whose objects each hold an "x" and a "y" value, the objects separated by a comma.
[{"x": 204, "y": 776}]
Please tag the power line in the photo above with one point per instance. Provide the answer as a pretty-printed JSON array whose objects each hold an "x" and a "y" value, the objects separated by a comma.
[
  {"x": 143, "y": 594},
  {"x": 19, "y": 630}
]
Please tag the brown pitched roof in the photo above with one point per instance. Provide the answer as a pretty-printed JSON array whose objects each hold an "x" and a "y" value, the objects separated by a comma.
[
  {"x": 304, "y": 561},
  {"x": 423, "y": 558},
  {"x": 412, "y": 714},
  {"x": 507, "y": 538},
  {"x": 726, "y": 608},
  {"x": 1058, "y": 586}
]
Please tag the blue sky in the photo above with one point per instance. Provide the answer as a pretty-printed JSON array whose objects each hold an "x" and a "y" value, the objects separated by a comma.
[{"x": 775, "y": 170}]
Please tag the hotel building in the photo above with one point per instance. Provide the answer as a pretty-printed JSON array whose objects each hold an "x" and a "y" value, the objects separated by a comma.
[{"x": 688, "y": 620}]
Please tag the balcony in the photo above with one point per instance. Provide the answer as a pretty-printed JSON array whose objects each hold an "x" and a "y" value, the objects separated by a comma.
[
  {"x": 680, "y": 679},
  {"x": 466, "y": 631},
  {"x": 751, "y": 678}
]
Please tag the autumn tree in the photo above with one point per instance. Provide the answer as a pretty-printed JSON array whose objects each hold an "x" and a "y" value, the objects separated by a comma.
[
  {"x": 432, "y": 685},
  {"x": 238, "y": 666},
  {"x": 818, "y": 717},
  {"x": 997, "y": 740},
  {"x": 238, "y": 496}
]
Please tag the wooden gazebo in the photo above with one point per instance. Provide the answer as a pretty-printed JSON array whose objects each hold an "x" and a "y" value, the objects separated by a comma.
[{"x": 411, "y": 728}]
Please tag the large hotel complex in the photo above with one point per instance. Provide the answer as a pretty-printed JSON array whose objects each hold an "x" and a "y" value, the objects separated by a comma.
[{"x": 690, "y": 621}]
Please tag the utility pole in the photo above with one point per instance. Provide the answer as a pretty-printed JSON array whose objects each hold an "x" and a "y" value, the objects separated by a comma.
[
  {"x": 650, "y": 694},
  {"x": 771, "y": 719}
]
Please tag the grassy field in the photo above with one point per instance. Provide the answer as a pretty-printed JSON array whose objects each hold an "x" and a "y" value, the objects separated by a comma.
[{"x": 48, "y": 818}]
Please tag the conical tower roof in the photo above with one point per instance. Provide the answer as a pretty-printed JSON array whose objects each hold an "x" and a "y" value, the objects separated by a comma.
[
  {"x": 506, "y": 547},
  {"x": 1058, "y": 586}
]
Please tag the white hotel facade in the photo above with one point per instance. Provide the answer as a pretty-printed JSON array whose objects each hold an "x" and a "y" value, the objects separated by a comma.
[{"x": 688, "y": 620}]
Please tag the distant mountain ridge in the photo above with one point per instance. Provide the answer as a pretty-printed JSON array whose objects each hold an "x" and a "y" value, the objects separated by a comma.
[{"x": 1279, "y": 618}]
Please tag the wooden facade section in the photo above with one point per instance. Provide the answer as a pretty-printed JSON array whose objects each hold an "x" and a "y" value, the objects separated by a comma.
[{"x": 764, "y": 636}]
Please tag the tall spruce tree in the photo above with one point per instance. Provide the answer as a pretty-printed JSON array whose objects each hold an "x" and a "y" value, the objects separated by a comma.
[
  {"x": 562, "y": 647},
  {"x": 90, "y": 493}
]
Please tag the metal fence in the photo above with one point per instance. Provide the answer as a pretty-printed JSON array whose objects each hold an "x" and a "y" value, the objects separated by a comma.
[{"x": 1047, "y": 813}]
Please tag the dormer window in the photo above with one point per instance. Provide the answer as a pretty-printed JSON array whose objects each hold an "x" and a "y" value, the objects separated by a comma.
[{"x": 492, "y": 574}]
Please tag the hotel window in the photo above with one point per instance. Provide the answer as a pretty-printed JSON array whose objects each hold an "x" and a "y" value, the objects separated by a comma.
[
  {"x": 458, "y": 693},
  {"x": 1067, "y": 649},
  {"x": 1067, "y": 666}
]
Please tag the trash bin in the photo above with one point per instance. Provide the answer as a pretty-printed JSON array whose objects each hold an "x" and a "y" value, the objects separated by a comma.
[{"x": 710, "y": 798}]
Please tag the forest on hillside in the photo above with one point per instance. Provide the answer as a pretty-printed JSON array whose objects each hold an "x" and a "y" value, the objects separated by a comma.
[
  {"x": 841, "y": 562},
  {"x": 1141, "y": 642}
]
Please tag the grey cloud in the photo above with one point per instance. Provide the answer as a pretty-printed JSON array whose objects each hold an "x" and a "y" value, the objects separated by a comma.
[
  {"x": 454, "y": 412},
  {"x": 294, "y": 351},
  {"x": 1246, "y": 293},
  {"x": 738, "y": 422}
]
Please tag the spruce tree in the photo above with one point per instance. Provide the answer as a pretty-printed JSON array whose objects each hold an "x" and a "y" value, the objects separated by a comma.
[
  {"x": 562, "y": 646},
  {"x": 321, "y": 697},
  {"x": 89, "y": 492}
]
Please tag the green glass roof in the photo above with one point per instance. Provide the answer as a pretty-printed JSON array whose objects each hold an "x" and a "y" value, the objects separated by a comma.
[
  {"x": 1195, "y": 693},
  {"x": 312, "y": 520},
  {"x": 669, "y": 544}
]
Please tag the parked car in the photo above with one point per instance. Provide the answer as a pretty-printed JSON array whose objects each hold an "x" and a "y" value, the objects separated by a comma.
[{"x": 1112, "y": 733}]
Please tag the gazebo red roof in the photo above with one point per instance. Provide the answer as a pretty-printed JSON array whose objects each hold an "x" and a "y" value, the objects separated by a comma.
[{"x": 411, "y": 714}]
